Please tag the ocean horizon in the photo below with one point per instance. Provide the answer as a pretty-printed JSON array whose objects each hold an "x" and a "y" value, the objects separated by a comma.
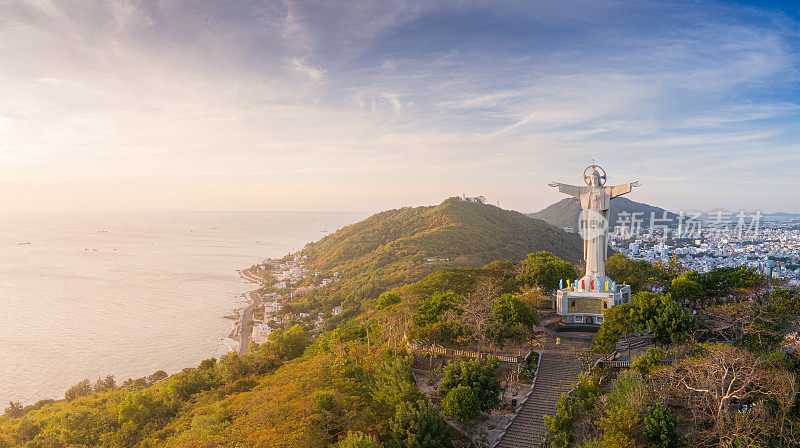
[{"x": 87, "y": 294}]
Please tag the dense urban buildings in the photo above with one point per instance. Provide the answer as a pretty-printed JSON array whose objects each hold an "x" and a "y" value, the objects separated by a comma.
[{"x": 774, "y": 248}]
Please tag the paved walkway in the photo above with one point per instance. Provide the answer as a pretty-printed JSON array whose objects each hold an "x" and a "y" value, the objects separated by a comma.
[{"x": 559, "y": 367}]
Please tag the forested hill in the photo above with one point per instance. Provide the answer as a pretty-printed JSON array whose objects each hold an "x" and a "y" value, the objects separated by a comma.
[
  {"x": 565, "y": 212},
  {"x": 403, "y": 245},
  {"x": 468, "y": 233}
]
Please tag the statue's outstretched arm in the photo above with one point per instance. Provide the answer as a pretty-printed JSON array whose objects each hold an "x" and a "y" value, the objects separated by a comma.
[
  {"x": 619, "y": 190},
  {"x": 571, "y": 190}
]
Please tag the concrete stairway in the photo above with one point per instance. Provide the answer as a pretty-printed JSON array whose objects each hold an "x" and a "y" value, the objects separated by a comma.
[
  {"x": 637, "y": 342},
  {"x": 558, "y": 373}
]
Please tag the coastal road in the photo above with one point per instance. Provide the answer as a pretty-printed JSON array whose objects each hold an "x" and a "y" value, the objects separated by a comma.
[{"x": 246, "y": 317}]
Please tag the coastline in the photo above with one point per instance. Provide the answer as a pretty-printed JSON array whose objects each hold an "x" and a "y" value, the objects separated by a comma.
[
  {"x": 241, "y": 330},
  {"x": 247, "y": 275}
]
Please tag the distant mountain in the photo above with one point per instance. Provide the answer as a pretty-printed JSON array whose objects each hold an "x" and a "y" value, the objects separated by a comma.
[
  {"x": 403, "y": 245},
  {"x": 565, "y": 213},
  {"x": 782, "y": 215}
]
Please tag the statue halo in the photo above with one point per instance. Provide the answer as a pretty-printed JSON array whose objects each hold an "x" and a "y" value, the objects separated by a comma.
[{"x": 587, "y": 175}]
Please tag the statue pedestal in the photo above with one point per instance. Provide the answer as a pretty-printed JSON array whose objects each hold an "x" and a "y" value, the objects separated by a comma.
[{"x": 588, "y": 306}]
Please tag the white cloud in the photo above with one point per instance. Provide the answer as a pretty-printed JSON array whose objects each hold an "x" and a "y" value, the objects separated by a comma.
[
  {"x": 206, "y": 95},
  {"x": 312, "y": 72}
]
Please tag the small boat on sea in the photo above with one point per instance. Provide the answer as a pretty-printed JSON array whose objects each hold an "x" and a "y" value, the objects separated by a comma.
[{"x": 22, "y": 243}]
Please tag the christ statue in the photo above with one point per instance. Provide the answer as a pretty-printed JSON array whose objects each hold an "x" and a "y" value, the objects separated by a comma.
[{"x": 595, "y": 204}]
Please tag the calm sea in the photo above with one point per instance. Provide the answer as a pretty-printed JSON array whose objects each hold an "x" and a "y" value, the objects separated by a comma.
[{"x": 128, "y": 293}]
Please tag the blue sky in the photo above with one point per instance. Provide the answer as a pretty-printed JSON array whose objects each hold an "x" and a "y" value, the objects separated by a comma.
[{"x": 369, "y": 105}]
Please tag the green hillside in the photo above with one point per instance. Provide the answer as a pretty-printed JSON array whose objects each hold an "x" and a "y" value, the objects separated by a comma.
[
  {"x": 308, "y": 388},
  {"x": 403, "y": 245},
  {"x": 565, "y": 212}
]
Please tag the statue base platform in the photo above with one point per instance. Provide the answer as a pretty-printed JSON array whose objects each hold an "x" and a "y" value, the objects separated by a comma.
[{"x": 587, "y": 307}]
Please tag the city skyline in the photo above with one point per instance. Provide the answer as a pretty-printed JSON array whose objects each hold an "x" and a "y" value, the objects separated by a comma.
[{"x": 369, "y": 105}]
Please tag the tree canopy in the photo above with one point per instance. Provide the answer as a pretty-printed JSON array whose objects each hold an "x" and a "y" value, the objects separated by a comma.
[
  {"x": 415, "y": 425},
  {"x": 639, "y": 274},
  {"x": 510, "y": 310},
  {"x": 545, "y": 270},
  {"x": 482, "y": 379},
  {"x": 666, "y": 320},
  {"x": 461, "y": 404},
  {"x": 358, "y": 440}
]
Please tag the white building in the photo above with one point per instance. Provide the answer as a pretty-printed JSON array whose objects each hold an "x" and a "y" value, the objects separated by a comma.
[
  {"x": 478, "y": 199},
  {"x": 260, "y": 333}
]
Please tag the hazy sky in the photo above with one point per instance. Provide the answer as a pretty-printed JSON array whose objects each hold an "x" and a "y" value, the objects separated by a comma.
[{"x": 355, "y": 105}]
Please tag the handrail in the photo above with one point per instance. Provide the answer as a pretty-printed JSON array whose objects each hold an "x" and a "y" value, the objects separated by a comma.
[{"x": 463, "y": 353}]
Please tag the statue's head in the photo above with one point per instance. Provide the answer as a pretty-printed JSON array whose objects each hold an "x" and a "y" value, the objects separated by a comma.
[{"x": 595, "y": 182}]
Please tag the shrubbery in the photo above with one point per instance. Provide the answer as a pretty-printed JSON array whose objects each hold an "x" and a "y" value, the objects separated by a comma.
[
  {"x": 660, "y": 427},
  {"x": 461, "y": 404},
  {"x": 667, "y": 321},
  {"x": 358, "y": 440},
  {"x": 416, "y": 425},
  {"x": 482, "y": 379}
]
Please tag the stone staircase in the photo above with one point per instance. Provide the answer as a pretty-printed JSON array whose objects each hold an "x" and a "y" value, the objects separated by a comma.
[
  {"x": 637, "y": 342},
  {"x": 558, "y": 373}
]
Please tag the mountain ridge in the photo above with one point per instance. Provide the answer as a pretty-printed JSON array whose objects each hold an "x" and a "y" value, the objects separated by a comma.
[{"x": 566, "y": 212}]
